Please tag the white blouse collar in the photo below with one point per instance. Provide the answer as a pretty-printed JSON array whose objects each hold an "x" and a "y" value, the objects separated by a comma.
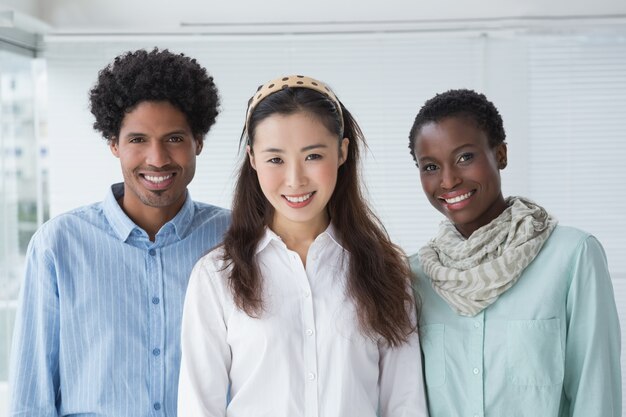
[{"x": 270, "y": 236}]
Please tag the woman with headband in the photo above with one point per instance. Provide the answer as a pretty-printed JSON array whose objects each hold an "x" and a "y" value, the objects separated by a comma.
[{"x": 306, "y": 308}]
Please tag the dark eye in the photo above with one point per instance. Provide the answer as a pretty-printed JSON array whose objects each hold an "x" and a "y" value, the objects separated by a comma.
[
  {"x": 136, "y": 139},
  {"x": 466, "y": 157},
  {"x": 429, "y": 167},
  {"x": 275, "y": 160},
  {"x": 175, "y": 139},
  {"x": 313, "y": 156}
]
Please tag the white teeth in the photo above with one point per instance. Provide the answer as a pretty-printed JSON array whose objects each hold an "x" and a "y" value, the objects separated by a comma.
[
  {"x": 458, "y": 198},
  {"x": 299, "y": 199},
  {"x": 156, "y": 179}
]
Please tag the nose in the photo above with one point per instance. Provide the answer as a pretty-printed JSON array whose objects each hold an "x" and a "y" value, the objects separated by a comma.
[
  {"x": 295, "y": 176},
  {"x": 158, "y": 155},
  {"x": 449, "y": 178}
]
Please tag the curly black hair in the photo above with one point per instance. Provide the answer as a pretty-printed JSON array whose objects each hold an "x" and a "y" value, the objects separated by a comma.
[
  {"x": 460, "y": 103},
  {"x": 158, "y": 75}
]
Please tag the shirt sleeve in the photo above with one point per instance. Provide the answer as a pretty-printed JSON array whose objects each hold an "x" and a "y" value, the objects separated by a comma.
[
  {"x": 206, "y": 356},
  {"x": 592, "y": 355},
  {"x": 34, "y": 366},
  {"x": 402, "y": 392}
]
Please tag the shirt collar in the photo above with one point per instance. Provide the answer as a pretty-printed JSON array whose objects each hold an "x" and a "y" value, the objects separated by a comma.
[
  {"x": 332, "y": 233},
  {"x": 270, "y": 236},
  {"x": 123, "y": 226},
  {"x": 183, "y": 219}
]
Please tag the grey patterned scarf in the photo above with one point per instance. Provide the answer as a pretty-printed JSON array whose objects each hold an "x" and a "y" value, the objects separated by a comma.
[{"x": 470, "y": 274}]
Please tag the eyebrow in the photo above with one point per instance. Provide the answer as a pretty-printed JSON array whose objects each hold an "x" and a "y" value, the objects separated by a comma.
[
  {"x": 305, "y": 149},
  {"x": 423, "y": 159},
  {"x": 455, "y": 150},
  {"x": 173, "y": 132}
]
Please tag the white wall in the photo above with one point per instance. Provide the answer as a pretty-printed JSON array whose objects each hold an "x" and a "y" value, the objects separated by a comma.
[
  {"x": 29, "y": 7},
  {"x": 167, "y": 15}
]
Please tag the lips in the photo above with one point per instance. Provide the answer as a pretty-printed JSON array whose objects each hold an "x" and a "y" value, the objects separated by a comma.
[
  {"x": 157, "y": 181},
  {"x": 300, "y": 200},
  {"x": 456, "y": 200}
]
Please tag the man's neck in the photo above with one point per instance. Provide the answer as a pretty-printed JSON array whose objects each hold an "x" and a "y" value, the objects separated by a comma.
[{"x": 150, "y": 219}]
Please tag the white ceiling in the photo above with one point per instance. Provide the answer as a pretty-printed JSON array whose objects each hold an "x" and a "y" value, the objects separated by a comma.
[{"x": 202, "y": 16}]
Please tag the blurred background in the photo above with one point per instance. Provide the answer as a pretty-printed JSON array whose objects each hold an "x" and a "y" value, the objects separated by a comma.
[{"x": 556, "y": 71}]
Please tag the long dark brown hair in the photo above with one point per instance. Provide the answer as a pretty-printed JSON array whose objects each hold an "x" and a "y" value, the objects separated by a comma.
[{"x": 378, "y": 277}]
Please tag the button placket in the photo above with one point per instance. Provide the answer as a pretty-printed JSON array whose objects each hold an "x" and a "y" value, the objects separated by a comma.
[
  {"x": 477, "y": 348},
  {"x": 156, "y": 332},
  {"x": 310, "y": 341}
]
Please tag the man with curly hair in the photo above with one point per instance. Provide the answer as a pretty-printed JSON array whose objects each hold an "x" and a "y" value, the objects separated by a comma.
[{"x": 97, "y": 329}]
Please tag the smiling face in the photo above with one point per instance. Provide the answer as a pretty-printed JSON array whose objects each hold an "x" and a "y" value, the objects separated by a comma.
[
  {"x": 296, "y": 159},
  {"x": 157, "y": 152},
  {"x": 460, "y": 172}
]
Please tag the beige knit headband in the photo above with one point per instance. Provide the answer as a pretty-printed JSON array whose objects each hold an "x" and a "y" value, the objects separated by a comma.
[{"x": 291, "y": 81}]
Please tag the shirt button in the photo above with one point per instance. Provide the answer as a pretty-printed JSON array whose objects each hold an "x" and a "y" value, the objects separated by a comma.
[
  {"x": 156, "y": 351},
  {"x": 309, "y": 332},
  {"x": 307, "y": 294},
  {"x": 155, "y": 300},
  {"x": 476, "y": 371},
  {"x": 476, "y": 324},
  {"x": 311, "y": 376},
  {"x": 152, "y": 252},
  {"x": 157, "y": 406}
]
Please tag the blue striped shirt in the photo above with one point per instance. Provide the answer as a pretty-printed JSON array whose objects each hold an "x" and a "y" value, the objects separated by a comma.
[{"x": 98, "y": 324}]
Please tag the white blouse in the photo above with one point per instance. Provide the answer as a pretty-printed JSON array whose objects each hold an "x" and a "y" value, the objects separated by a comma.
[{"x": 304, "y": 355}]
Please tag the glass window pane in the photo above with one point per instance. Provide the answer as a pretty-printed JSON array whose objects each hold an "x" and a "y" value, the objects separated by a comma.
[{"x": 21, "y": 179}]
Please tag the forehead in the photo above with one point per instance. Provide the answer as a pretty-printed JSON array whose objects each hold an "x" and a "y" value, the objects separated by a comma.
[
  {"x": 450, "y": 132},
  {"x": 155, "y": 115},
  {"x": 296, "y": 129}
]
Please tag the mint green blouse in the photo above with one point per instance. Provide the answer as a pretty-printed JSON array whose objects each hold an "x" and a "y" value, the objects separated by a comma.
[{"x": 548, "y": 347}]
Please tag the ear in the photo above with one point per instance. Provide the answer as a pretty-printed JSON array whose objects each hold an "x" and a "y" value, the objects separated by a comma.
[
  {"x": 199, "y": 145},
  {"x": 113, "y": 146},
  {"x": 343, "y": 150},
  {"x": 501, "y": 155},
  {"x": 251, "y": 156}
]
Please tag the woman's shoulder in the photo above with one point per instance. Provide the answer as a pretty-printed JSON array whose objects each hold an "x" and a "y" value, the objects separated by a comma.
[
  {"x": 212, "y": 258},
  {"x": 212, "y": 266},
  {"x": 569, "y": 233},
  {"x": 568, "y": 239},
  {"x": 571, "y": 250}
]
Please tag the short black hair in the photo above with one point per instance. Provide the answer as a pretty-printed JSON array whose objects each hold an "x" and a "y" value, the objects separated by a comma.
[
  {"x": 460, "y": 103},
  {"x": 158, "y": 75}
]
